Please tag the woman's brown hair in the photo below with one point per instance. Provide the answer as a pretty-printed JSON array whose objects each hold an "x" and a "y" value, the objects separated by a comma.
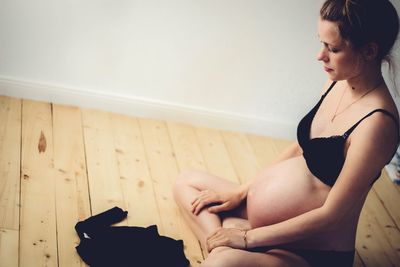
[{"x": 364, "y": 21}]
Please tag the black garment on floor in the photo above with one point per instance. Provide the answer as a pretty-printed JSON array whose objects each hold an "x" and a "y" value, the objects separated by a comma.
[{"x": 124, "y": 246}]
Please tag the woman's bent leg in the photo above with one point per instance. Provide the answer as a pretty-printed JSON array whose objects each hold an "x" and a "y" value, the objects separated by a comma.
[
  {"x": 229, "y": 257},
  {"x": 187, "y": 187}
]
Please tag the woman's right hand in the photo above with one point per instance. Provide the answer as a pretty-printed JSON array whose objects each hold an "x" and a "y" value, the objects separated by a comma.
[{"x": 223, "y": 201}]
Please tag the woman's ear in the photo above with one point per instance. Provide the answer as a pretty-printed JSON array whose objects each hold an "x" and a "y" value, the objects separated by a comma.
[{"x": 370, "y": 51}]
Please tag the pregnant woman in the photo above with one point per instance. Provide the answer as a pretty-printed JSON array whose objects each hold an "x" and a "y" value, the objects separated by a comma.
[{"x": 303, "y": 209}]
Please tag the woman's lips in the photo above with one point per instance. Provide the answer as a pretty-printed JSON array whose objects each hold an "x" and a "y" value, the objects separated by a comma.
[{"x": 327, "y": 69}]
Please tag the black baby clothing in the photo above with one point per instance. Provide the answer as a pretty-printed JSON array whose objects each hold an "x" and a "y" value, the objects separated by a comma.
[{"x": 103, "y": 245}]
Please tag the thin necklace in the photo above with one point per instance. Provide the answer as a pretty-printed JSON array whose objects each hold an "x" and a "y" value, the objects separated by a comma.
[{"x": 340, "y": 101}]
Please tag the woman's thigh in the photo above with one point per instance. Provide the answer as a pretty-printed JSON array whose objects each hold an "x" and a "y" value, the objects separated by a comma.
[{"x": 228, "y": 257}]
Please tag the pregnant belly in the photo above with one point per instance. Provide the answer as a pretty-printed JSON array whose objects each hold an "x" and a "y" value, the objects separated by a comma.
[{"x": 283, "y": 192}]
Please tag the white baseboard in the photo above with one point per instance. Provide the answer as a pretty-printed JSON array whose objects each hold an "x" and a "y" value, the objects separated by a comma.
[{"x": 144, "y": 107}]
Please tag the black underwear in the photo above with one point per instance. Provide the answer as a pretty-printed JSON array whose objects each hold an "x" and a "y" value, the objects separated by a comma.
[
  {"x": 326, "y": 258},
  {"x": 317, "y": 258}
]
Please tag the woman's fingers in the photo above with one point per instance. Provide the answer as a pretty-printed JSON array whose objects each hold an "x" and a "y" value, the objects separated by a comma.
[
  {"x": 201, "y": 194},
  {"x": 202, "y": 203},
  {"x": 217, "y": 242},
  {"x": 197, "y": 200},
  {"x": 230, "y": 237},
  {"x": 205, "y": 198},
  {"x": 199, "y": 206},
  {"x": 217, "y": 239},
  {"x": 196, "y": 205}
]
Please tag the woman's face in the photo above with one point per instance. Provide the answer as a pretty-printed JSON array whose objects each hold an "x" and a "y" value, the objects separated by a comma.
[{"x": 340, "y": 61}]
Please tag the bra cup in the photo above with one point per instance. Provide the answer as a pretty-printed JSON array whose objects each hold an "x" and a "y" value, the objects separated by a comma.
[{"x": 324, "y": 157}]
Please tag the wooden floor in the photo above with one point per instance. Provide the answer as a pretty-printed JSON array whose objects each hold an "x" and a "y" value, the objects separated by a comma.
[{"x": 59, "y": 165}]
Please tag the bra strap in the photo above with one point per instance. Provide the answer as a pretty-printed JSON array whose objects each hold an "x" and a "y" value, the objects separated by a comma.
[
  {"x": 349, "y": 131},
  {"x": 329, "y": 89}
]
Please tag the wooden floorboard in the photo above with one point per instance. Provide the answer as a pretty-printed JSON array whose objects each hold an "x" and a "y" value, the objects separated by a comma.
[
  {"x": 372, "y": 243},
  {"x": 9, "y": 240},
  {"x": 10, "y": 159},
  {"x": 242, "y": 155},
  {"x": 60, "y": 164},
  {"x": 38, "y": 235},
  {"x": 216, "y": 156},
  {"x": 102, "y": 166},
  {"x": 388, "y": 194},
  {"x": 135, "y": 179},
  {"x": 72, "y": 194}
]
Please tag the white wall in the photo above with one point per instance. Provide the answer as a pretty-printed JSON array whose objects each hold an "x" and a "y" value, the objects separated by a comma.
[{"x": 236, "y": 64}]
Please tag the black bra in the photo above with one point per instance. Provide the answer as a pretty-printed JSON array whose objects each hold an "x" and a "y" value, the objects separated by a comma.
[{"x": 325, "y": 155}]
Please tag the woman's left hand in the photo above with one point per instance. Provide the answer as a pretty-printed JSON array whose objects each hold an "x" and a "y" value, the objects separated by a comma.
[{"x": 229, "y": 237}]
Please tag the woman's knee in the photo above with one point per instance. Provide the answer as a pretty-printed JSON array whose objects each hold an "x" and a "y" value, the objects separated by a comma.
[
  {"x": 183, "y": 181},
  {"x": 190, "y": 182}
]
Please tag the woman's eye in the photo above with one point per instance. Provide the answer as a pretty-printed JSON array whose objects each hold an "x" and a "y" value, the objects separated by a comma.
[{"x": 333, "y": 50}]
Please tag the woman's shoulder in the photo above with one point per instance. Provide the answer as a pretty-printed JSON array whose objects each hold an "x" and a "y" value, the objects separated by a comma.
[
  {"x": 385, "y": 101},
  {"x": 380, "y": 119}
]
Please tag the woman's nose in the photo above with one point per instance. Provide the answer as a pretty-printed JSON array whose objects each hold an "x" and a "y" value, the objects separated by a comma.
[{"x": 322, "y": 56}]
